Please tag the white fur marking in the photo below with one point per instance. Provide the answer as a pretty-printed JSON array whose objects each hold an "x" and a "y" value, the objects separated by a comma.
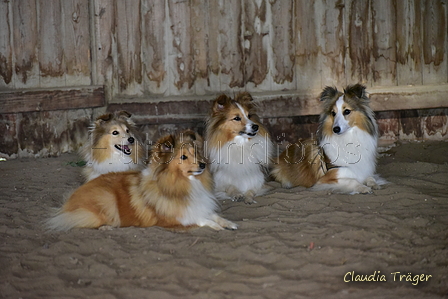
[
  {"x": 249, "y": 122},
  {"x": 339, "y": 120}
]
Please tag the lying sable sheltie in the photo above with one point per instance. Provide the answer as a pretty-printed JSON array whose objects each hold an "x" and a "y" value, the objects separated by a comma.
[
  {"x": 238, "y": 147},
  {"x": 343, "y": 158},
  {"x": 114, "y": 146},
  {"x": 174, "y": 191}
]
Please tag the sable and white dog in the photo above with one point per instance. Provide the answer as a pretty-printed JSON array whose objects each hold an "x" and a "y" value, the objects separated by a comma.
[
  {"x": 114, "y": 145},
  {"x": 174, "y": 191},
  {"x": 343, "y": 158},
  {"x": 238, "y": 147}
]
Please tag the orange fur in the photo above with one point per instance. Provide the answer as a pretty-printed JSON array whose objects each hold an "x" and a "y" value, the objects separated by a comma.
[
  {"x": 161, "y": 195},
  {"x": 301, "y": 164}
]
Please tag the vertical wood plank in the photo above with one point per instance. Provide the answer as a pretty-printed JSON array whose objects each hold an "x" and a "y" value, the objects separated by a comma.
[
  {"x": 129, "y": 47},
  {"x": 308, "y": 59},
  {"x": 51, "y": 52},
  {"x": 384, "y": 43},
  {"x": 359, "y": 33},
  {"x": 153, "y": 46},
  {"x": 256, "y": 44},
  {"x": 200, "y": 43},
  {"x": 434, "y": 42},
  {"x": 231, "y": 53},
  {"x": 409, "y": 42},
  {"x": 283, "y": 44},
  {"x": 181, "y": 67},
  {"x": 333, "y": 44},
  {"x": 26, "y": 66},
  {"x": 77, "y": 42},
  {"x": 213, "y": 41},
  {"x": 5, "y": 46},
  {"x": 104, "y": 47}
]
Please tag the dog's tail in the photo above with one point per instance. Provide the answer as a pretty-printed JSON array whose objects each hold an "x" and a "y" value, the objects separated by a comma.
[{"x": 64, "y": 221}]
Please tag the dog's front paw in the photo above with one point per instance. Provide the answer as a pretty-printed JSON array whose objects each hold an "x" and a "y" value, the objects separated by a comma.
[
  {"x": 364, "y": 189},
  {"x": 371, "y": 182},
  {"x": 239, "y": 197},
  {"x": 248, "y": 200}
]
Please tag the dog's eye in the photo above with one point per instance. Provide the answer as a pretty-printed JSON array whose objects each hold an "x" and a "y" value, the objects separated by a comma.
[
  {"x": 249, "y": 116},
  {"x": 127, "y": 131},
  {"x": 183, "y": 157},
  {"x": 237, "y": 118},
  {"x": 347, "y": 111},
  {"x": 333, "y": 113},
  {"x": 115, "y": 133}
]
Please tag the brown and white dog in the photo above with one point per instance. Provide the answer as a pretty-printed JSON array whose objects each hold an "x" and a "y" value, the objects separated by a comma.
[
  {"x": 174, "y": 191},
  {"x": 238, "y": 147},
  {"x": 114, "y": 146},
  {"x": 343, "y": 158}
]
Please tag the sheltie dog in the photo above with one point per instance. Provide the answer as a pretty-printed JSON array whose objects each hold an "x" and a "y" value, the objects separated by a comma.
[
  {"x": 238, "y": 147},
  {"x": 173, "y": 191},
  {"x": 114, "y": 146},
  {"x": 343, "y": 158}
]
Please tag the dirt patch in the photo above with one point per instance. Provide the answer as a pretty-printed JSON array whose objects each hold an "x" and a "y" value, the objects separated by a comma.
[{"x": 291, "y": 244}]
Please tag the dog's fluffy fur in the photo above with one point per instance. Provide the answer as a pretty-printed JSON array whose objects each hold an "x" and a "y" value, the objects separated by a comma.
[
  {"x": 174, "y": 191},
  {"x": 114, "y": 145},
  {"x": 238, "y": 147},
  {"x": 343, "y": 158}
]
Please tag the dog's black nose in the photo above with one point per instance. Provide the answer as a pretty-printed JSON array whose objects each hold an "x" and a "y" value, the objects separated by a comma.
[
  {"x": 131, "y": 139},
  {"x": 202, "y": 165},
  {"x": 337, "y": 130},
  {"x": 255, "y": 127}
]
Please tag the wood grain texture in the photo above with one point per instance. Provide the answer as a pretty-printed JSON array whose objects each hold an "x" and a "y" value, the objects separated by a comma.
[
  {"x": 409, "y": 42},
  {"x": 26, "y": 66},
  {"x": 76, "y": 42},
  {"x": 200, "y": 48},
  {"x": 434, "y": 42},
  {"x": 283, "y": 44},
  {"x": 333, "y": 44},
  {"x": 50, "y": 47},
  {"x": 308, "y": 58},
  {"x": 256, "y": 34},
  {"x": 128, "y": 35},
  {"x": 105, "y": 50},
  {"x": 47, "y": 100},
  {"x": 360, "y": 43},
  {"x": 231, "y": 58},
  {"x": 5, "y": 46},
  {"x": 181, "y": 65},
  {"x": 154, "y": 56},
  {"x": 384, "y": 51},
  {"x": 185, "y": 48}
]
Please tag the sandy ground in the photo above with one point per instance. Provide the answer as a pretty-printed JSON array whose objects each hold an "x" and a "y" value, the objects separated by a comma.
[{"x": 291, "y": 244}]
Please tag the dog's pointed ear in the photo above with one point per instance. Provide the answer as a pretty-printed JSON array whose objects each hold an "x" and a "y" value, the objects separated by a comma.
[
  {"x": 328, "y": 93},
  {"x": 244, "y": 98},
  {"x": 357, "y": 90},
  {"x": 221, "y": 103},
  {"x": 103, "y": 118},
  {"x": 167, "y": 144},
  {"x": 123, "y": 114},
  {"x": 188, "y": 136}
]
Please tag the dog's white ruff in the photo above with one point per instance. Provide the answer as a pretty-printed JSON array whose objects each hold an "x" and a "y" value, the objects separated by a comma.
[{"x": 240, "y": 163}]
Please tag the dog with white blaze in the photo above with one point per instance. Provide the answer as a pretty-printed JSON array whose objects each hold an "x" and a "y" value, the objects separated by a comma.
[
  {"x": 343, "y": 158},
  {"x": 238, "y": 147}
]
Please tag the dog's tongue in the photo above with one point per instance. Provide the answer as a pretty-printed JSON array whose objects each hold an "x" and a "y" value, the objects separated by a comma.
[{"x": 126, "y": 148}]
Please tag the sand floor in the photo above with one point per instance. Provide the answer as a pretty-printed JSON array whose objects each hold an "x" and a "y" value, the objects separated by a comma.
[{"x": 292, "y": 244}]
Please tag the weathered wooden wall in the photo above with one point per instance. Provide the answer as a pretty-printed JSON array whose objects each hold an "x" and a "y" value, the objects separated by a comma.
[{"x": 185, "y": 51}]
